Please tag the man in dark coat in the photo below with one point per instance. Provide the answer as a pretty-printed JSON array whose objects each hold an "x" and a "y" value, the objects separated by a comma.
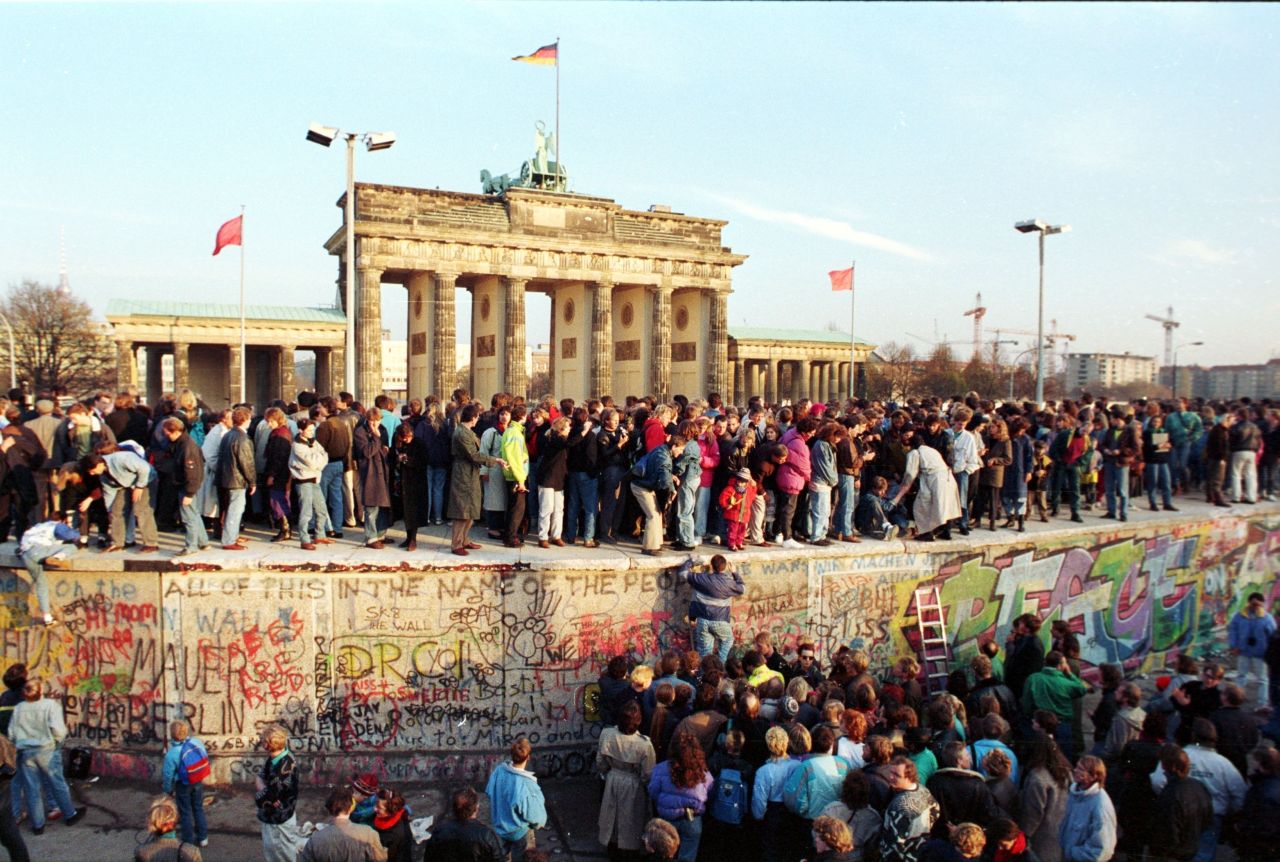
[
  {"x": 370, "y": 451},
  {"x": 466, "y": 499},
  {"x": 962, "y": 794},
  {"x": 236, "y": 476},
  {"x": 1024, "y": 651},
  {"x": 1237, "y": 729},
  {"x": 465, "y": 839},
  {"x": 1184, "y": 809},
  {"x": 188, "y": 475}
]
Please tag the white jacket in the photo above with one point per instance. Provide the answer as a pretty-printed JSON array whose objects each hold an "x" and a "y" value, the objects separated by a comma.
[
  {"x": 307, "y": 460},
  {"x": 1216, "y": 773},
  {"x": 964, "y": 453}
]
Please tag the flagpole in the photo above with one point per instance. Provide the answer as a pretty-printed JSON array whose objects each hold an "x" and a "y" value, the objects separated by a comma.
[
  {"x": 559, "y": 148},
  {"x": 853, "y": 338},
  {"x": 244, "y": 356}
]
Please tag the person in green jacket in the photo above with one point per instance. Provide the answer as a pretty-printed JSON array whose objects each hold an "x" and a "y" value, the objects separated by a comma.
[
  {"x": 1055, "y": 688},
  {"x": 515, "y": 452}
]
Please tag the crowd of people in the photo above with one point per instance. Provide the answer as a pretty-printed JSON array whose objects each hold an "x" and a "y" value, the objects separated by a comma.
[
  {"x": 755, "y": 757},
  {"x": 682, "y": 473}
]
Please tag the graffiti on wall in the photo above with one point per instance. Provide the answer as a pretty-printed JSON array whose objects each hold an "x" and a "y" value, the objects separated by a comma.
[{"x": 430, "y": 675}]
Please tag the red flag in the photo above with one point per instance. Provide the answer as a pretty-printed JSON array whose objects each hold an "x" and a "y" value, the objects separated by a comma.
[
  {"x": 841, "y": 279},
  {"x": 228, "y": 234}
]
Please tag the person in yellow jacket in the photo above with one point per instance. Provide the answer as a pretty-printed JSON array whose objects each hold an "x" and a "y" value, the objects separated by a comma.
[{"x": 515, "y": 452}]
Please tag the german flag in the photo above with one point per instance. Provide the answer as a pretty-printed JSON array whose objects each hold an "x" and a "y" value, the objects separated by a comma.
[{"x": 544, "y": 56}]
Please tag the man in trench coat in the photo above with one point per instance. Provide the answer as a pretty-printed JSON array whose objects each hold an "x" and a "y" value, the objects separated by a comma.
[{"x": 466, "y": 500}]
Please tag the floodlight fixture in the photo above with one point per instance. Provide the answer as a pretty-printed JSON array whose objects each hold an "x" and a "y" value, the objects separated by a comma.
[{"x": 322, "y": 135}]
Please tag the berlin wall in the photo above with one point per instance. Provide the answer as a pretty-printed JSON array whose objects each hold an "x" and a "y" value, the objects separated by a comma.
[{"x": 429, "y": 675}]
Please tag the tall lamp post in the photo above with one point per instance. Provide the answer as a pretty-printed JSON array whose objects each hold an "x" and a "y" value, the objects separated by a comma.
[
  {"x": 1173, "y": 384},
  {"x": 13, "y": 354},
  {"x": 1043, "y": 229},
  {"x": 1013, "y": 368},
  {"x": 324, "y": 136}
]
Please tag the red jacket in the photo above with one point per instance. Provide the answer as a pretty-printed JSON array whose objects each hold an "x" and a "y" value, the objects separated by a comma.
[{"x": 737, "y": 506}]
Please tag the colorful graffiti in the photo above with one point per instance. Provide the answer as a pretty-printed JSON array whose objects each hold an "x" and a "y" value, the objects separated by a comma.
[{"x": 424, "y": 675}]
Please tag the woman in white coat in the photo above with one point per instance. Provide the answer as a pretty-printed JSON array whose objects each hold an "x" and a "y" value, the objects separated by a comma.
[{"x": 937, "y": 497}]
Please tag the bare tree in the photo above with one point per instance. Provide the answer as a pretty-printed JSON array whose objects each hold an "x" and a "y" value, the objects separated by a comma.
[
  {"x": 59, "y": 347},
  {"x": 896, "y": 377}
]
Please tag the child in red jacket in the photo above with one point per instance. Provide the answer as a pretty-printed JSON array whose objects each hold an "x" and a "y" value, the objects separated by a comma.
[{"x": 735, "y": 503}]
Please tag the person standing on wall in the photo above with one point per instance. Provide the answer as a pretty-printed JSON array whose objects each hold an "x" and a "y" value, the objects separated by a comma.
[
  {"x": 516, "y": 807},
  {"x": 465, "y": 496},
  {"x": 236, "y": 476},
  {"x": 188, "y": 474},
  {"x": 713, "y": 592}
]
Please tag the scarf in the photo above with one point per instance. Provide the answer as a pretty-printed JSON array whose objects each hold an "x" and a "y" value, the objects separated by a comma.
[
  {"x": 382, "y": 824},
  {"x": 1013, "y": 853}
]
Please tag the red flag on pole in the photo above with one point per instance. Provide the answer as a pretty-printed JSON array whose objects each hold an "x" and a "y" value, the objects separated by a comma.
[
  {"x": 228, "y": 234},
  {"x": 841, "y": 279}
]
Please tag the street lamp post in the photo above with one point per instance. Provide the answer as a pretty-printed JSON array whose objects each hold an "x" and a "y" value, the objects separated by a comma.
[
  {"x": 13, "y": 354},
  {"x": 324, "y": 136},
  {"x": 1013, "y": 369},
  {"x": 1173, "y": 384},
  {"x": 1043, "y": 229}
]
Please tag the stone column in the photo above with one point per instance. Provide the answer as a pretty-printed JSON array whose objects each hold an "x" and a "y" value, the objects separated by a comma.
[
  {"x": 235, "y": 360},
  {"x": 155, "y": 375},
  {"x": 285, "y": 372},
  {"x": 516, "y": 369},
  {"x": 718, "y": 344},
  {"x": 801, "y": 381},
  {"x": 826, "y": 381},
  {"x": 126, "y": 366},
  {"x": 444, "y": 353},
  {"x": 739, "y": 393},
  {"x": 555, "y": 348},
  {"x": 660, "y": 370},
  {"x": 771, "y": 385},
  {"x": 602, "y": 338},
  {"x": 337, "y": 370},
  {"x": 181, "y": 366},
  {"x": 323, "y": 377},
  {"x": 368, "y": 334}
]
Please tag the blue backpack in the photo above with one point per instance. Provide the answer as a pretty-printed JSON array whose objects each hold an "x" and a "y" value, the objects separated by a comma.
[
  {"x": 730, "y": 801},
  {"x": 193, "y": 763}
]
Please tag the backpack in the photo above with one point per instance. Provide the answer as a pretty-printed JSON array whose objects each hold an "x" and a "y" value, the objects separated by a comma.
[
  {"x": 641, "y": 467},
  {"x": 730, "y": 797},
  {"x": 193, "y": 762}
]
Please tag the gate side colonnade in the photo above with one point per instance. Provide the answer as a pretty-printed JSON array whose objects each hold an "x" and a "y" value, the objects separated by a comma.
[
  {"x": 204, "y": 340},
  {"x": 638, "y": 299}
]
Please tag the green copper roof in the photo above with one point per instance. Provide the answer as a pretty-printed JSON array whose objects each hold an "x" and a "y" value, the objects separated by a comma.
[
  {"x": 769, "y": 333},
  {"x": 294, "y": 313}
]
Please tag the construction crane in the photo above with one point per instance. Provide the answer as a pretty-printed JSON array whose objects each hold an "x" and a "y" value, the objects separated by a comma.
[
  {"x": 1169, "y": 325},
  {"x": 978, "y": 312},
  {"x": 1050, "y": 339}
]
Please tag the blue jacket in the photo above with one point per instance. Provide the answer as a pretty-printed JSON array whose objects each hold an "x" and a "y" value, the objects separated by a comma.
[
  {"x": 515, "y": 802},
  {"x": 1243, "y": 628},
  {"x": 657, "y": 470},
  {"x": 983, "y": 747},
  {"x": 172, "y": 759},
  {"x": 712, "y": 592},
  {"x": 1088, "y": 830},
  {"x": 671, "y": 801}
]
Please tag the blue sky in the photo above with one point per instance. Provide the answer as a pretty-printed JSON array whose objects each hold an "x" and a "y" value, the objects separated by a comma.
[{"x": 909, "y": 137}]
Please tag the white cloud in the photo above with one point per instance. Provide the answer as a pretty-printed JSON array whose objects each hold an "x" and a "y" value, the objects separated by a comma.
[
  {"x": 821, "y": 226},
  {"x": 1199, "y": 251}
]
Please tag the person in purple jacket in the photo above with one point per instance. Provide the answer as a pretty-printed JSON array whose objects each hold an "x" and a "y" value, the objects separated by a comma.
[
  {"x": 710, "y": 609},
  {"x": 791, "y": 478}
]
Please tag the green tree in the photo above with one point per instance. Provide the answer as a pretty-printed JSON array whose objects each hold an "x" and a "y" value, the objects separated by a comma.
[{"x": 59, "y": 347}]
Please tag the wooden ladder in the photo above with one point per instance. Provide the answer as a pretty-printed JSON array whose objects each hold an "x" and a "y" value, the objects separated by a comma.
[{"x": 935, "y": 649}]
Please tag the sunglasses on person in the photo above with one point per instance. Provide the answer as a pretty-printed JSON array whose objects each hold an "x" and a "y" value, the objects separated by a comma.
[{"x": 806, "y": 657}]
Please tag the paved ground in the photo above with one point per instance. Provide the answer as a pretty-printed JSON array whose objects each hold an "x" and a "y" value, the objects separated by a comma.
[{"x": 349, "y": 554}]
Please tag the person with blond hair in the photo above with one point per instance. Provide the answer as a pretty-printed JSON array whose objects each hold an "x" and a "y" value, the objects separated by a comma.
[
  {"x": 162, "y": 844},
  {"x": 1088, "y": 830},
  {"x": 832, "y": 840},
  {"x": 661, "y": 841},
  {"x": 187, "y": 790},
  {"x": 37, "y": 730},
  {"x": 276, "y": 797}
]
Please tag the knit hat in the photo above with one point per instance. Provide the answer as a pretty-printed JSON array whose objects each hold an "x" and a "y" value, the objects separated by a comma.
[
  {"x": 744, "y": 473},
  {"x": 790, "y": 707},
  {"x": 366, "y": 785}
]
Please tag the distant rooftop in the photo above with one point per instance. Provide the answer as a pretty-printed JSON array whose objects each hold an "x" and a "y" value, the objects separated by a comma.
[
  {"x": 292, "y": 313},
  {"x": 769, "y": 333}
]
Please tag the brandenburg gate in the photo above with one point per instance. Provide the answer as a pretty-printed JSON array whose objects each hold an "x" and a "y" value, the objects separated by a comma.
[{"x": 638, "y": 299}]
